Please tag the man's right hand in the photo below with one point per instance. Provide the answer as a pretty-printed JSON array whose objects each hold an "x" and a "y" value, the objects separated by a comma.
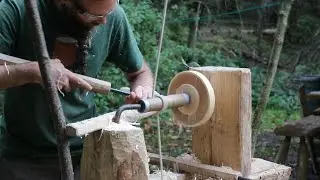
[{"x": 64, "y": 78}]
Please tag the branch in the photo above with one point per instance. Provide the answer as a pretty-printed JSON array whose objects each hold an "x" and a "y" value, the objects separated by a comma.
[{"x": 57, "y": 115}]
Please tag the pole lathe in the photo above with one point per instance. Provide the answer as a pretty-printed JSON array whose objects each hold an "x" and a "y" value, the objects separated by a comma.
[{"x": 190, "y": 97}]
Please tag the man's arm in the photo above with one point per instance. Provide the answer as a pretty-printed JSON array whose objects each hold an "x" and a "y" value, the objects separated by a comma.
[
  {"x": 126, "y": 55},
  {"x": 21, "y": 74},
  {"x": 16, "y": 75},
  {"x": 141, "y": 83}
]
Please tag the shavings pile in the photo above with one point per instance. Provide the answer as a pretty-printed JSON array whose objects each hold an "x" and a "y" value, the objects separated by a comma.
[{"x": 167, "y": 175}]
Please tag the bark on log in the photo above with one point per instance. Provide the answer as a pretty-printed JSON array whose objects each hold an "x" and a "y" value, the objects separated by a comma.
[{"x": 117, "y": 153}]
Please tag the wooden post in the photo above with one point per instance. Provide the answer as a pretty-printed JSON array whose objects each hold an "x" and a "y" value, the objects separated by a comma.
[
  {"x": 116, "y": 153},
  {"x": 226, "y": 139}
]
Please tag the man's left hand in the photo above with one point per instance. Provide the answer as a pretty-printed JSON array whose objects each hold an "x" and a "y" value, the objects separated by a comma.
[{"x": 138, "y": 93}]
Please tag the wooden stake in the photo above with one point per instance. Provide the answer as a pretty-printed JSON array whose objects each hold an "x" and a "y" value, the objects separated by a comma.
[
  {"x": 226, "y": 138},
  {"x": 117, "y": 153}
]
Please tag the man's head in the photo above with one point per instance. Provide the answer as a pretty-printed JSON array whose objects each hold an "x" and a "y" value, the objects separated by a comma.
[
  {"x": 77, "y": 18},
  {"x": 83, "y": 15}
]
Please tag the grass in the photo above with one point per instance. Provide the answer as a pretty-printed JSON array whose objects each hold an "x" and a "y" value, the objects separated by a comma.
[{"x": 275, "y": 117}]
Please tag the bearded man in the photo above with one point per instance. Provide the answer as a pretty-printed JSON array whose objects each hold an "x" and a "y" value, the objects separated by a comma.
[{"x": 101, "y": 33}]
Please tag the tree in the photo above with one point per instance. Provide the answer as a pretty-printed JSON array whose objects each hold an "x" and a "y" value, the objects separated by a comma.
[{"x": 272, "y": 68}]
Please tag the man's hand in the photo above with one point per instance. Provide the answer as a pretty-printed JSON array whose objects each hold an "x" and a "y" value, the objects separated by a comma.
[
  {"x": 65, "y": 79},
  {"x": 138, "y": 93}
]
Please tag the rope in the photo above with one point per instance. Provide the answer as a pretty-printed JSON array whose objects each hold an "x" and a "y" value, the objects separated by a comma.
[
  {"x": 155, "y": 81},
  {"x": 225, "y": 13}
]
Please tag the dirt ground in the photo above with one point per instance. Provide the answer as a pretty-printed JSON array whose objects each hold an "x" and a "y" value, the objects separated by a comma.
[{"x": 268, "y": 147}]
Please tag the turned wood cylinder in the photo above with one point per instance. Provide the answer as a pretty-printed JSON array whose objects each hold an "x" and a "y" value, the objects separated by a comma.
[{"x": 163, "y": 102}]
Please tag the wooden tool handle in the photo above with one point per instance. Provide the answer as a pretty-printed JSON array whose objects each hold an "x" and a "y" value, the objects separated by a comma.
[{"x": 98, "y": 86}]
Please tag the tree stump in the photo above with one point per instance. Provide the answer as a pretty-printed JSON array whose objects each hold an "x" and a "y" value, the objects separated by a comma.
[{"x": 116, "y": 153}]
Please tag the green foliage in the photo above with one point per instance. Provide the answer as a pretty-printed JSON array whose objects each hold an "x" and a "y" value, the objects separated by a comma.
[
  {"x": 283, "y": 94},
  {"x": 305, "y": 28}
]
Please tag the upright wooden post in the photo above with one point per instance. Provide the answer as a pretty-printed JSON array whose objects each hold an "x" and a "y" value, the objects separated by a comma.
[
  {"x": 225, "y": 140},
  {"x": 116, "y": 153}
]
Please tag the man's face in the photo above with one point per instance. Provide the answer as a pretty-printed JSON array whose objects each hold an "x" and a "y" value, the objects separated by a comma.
[
  {"x": 84, "y": 15},
  {"x": 94, "y": 12}
]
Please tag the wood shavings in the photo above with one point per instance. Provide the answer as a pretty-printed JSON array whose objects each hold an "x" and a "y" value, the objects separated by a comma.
[
  {"x": 5, "y": 65},
  {"x": 167, "y": 175},
  {"x": 59, "y": 82},
  {"x": 189, "y": 157}
]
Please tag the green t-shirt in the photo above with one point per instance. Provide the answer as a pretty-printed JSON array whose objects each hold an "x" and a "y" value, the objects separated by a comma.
[{"x": 28, "y": 130}]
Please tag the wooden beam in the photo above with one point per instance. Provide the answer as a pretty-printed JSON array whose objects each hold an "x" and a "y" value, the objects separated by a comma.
[
  {"x": 88, "y": 126},
  {"x": 313, "y": 95},
  {"x": 191, "y": 167},
  {"x": 261, "y": 169},
  {"x": 226, "y": 138},
  {"x": 116, "y": 153}
]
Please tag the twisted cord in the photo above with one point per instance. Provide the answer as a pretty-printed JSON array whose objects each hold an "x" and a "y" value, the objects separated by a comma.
[{"x": 155, "y": 81}]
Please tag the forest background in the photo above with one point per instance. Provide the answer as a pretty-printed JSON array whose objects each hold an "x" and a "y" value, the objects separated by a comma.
[{"x": 233, "y": 33}]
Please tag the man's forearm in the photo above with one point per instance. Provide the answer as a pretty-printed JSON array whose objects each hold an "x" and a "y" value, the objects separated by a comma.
[
  {"x": 16, "y": 75},
  {"x": 142, "y": 78}
]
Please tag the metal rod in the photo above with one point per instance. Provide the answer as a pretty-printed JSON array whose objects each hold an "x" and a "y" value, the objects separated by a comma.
[
  {"x": 154, "y": 104},
  {"x": 117, "y": 116},
  {"x": 50, "y": 91},
  {"x": 120, "y": 91}
]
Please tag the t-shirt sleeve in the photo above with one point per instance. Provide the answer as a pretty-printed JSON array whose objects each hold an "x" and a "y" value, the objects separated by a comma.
[
  {"x": 124, "y": 52},
  {"x": 9, "y": 14}
]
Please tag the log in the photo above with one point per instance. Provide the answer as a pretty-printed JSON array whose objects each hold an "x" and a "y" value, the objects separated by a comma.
[
  {"x": 226, "y": 138},
  {"x": 116, "y": 153},
  {"x": 88, "y": 126},
  {"x": 261, "y": 169},
  {"x": 307, "y": 126}
]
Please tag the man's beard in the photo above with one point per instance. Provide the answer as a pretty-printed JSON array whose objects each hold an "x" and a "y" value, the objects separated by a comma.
[{"x": 71, "y": 26}]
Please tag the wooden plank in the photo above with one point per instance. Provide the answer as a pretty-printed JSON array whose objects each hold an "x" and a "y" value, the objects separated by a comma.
[
  {"x": 87, "y": 126},
  {"x": 266, "y": 170},
  {"x": 116, "y": 153},
  {"x": 306, "y": 126},
  {"x": 261, "y": 169},
  {"x": 191, "y": 167},
  {"x": 226, "y": 138}
]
